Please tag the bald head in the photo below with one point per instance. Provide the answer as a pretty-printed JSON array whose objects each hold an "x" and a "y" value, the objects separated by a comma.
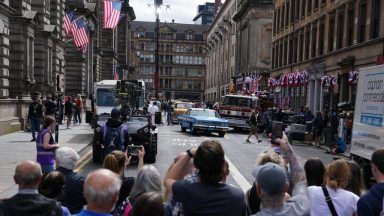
[
  {"x": 27, "y": 174},
  {"x": 101, "y": 186}
]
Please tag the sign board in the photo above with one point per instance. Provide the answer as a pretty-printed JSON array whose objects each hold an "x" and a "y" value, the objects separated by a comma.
[{"x": 368, "y": 131}]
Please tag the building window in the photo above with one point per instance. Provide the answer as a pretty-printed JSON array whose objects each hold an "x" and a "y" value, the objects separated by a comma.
[
  {"x": 314, "y": 39},
  {"x": 309, "y": 8},
  {"x": 315, "y": 4},
  {"x": 307, "y": 40},
  {"x": 297, "y": 9},
  {"x": 141, "y": 34},
  {"x": 350, "y": 24},
  {"x": 295, "y": 45},
  {"x": 282, "y": 16},
  {"x": 274, "y": 21},
  {"x": 292, "y": 12},
  {"x": 178, "y": 84},
  {"x": 331, "y": 32},
  {"x": 169, "y": 59},
  {"x": 287, "y": 8},
  {"x": 340, "y": 28},
  {"x": 362, "y": 21},
  {"x": 321, "y": 36},
  {"x": 189, "y": 36},
  {"x": 301, "y": 45},
  {"x": 375, "y": 20},
  {"x": 290, "y": 55},
  {"x": 303, "y": 8},
  {"x": 273, "y": 56},
  {"x": 278, "y": 20},
  {"x": 285, "y": 51},
  {"x": 323, "y": 2}
]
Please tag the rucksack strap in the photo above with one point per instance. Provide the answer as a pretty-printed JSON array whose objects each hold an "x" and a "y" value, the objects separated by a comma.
[{"x": 329, "y": 201}]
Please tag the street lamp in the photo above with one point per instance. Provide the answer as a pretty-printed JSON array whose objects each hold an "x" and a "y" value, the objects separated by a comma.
[{"x": 157, "y": 4}]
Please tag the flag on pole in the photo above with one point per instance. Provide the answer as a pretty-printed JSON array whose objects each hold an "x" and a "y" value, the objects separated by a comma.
[
  {"x": 81, "y": 34},
  {"x": 111, "y": 13},
  {"x": 68, "y": 22},
  {"x": 124, "y": 76},
  {"x": 116, "y": 74}
]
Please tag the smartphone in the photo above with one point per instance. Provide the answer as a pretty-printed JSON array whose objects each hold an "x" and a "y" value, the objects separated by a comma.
[{"x": 133, "y": 150}]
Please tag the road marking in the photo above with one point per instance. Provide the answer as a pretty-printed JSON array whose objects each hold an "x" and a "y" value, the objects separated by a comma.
[
  {"x": 84, "y": 161},
  {"x": 239, "y": 178}
]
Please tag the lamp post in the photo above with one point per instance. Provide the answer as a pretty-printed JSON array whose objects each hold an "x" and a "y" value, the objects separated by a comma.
[{"x": 158, "y": 4}]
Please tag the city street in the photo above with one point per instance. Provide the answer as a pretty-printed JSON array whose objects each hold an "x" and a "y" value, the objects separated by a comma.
[{"x": 240, "y": 154}]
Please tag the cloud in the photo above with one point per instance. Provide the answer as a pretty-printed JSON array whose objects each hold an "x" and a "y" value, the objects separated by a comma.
[{"x": 182, "y": 11}]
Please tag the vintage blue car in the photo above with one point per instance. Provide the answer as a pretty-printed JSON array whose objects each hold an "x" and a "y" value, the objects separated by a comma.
[{"x": 196, "y": 119}]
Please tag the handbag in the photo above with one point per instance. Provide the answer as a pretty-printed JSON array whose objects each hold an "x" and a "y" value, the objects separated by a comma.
[{"x": 329, "y": 201}]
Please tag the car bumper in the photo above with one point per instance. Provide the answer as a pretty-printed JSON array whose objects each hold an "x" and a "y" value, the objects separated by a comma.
[
  {"x": 238, "y": 123},
  {"x": 212, "y": 128}
]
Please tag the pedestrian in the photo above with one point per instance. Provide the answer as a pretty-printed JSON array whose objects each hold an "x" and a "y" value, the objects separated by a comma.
[
  {"x": 153, "y": 109},
  {"x": 169, "y": 110},
  {"x": 28, "y": 201},
  {"x": 355, "y": 181},
  {"x": 148, "y": 180},
  {"x": 101, "y": 191},
  {"x": 73, "y": 199},
  {"x": 49, "y": 106},
  {"x": 117, "y": 161},
  {"x": 69, "y": 110},
  {"x": 35, "y": 114},
  {"x": 371, "y": 203},
  {"x": 272, "y": 184},
  {"x": 209, "y": 196},
  {"x": 52, "y": 186},
  {"x": 149, "y": 204},
  {"x": 314, "y": 172},
  {"x": 78, "y": 109},
  {"x": 46, "y": 145},
  {"x": 338, "y": 145},
  {"x": 114, "y": 134},
  {"x": 318, "y": 128},
  {"x": 253, "y": 125},
  {"x": 308, "y": 117},
  {"x": 332, "y": 199},
  {"x": 252, "y": 199}
]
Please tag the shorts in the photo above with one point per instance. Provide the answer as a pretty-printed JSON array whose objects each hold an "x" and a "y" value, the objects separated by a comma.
[{"x": 253, "y": 128}]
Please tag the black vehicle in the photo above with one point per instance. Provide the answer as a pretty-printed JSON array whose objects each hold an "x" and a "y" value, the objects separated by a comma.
[{"x": 140, "y": 133}]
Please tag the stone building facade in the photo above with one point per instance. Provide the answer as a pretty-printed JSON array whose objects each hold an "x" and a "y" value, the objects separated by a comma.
[
  {"x": 181, "y": 58},
  {"x": 34, "y": 51},
  {"x": 239, "y": 42},
  {"x": 326, "y": 39}
]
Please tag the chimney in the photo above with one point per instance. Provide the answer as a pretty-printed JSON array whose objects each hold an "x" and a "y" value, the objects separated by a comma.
[
  {"x": 173, "y": 20},
  {"x": 217, "y": 5}
]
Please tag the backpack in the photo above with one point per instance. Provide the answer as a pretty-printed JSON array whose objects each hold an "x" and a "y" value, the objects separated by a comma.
[{"x": 112, "y": 139}]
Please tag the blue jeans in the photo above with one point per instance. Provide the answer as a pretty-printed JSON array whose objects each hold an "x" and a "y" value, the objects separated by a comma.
[
  {"x": 47, "y": 168},
  {"x": 35, "y": 126}
]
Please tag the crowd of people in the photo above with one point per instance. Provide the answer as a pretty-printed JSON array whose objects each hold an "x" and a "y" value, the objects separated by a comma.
[{"x": 195, "y": 184}]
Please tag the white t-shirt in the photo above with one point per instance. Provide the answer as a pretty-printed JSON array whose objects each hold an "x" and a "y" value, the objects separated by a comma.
[
  {"x": 153, "y": 109},
  {"x": 345, "y": 202}
]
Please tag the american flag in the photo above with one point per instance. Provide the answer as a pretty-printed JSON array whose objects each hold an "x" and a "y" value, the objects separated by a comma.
[
  {"x": 111, "y": 14},
  {"x": 115, "y": 74},
  {"x": 285, "y": 101},
  {"x": 68, "y": 22},
  {"x": 84, "y": 48},
  {"x": 81, "y": 34}
]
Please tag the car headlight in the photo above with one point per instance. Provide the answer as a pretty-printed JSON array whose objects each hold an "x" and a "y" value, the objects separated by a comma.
[{"x": 146, "y": 130}]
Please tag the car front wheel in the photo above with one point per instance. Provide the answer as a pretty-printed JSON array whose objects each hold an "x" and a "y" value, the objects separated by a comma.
[
  {"x": 221, "y": 134},
  {"x": 183, "y": 129}
]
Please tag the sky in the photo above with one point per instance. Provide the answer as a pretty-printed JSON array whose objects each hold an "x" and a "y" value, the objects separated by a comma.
[{"x": 183, "y": 11}]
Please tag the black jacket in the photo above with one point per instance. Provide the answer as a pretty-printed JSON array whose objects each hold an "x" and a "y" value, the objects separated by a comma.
[
  {"x": 73, "y": 198},
  {"x": 35, "y": 110},
  {"x": 31, "y": 205}
]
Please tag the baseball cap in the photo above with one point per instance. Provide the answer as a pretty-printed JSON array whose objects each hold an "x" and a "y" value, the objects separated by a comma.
[
  {"x": 115, "y": 113},
  {"x": 271, "y": 178}
]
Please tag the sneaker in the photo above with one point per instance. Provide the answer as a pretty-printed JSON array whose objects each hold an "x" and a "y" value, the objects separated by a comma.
[
  {"x": 33, "y": 140},
  {"x": 68, "y": 127},
  {"x": 247, "y": 140},
  {"x": 260, "y": 141}
]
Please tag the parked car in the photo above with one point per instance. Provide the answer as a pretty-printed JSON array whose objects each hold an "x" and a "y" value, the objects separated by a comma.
[
  {"x": 197, "y": 119},
  {"x": 180, "y": 108}
]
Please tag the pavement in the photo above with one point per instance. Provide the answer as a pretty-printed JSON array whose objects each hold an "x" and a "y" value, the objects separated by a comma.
[{"x": 17, "y": 146}]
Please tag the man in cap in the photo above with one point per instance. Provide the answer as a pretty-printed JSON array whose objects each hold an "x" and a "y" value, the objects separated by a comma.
[
  {"x": 114, "y": 133},
  {"x": 272, "y": 183}
]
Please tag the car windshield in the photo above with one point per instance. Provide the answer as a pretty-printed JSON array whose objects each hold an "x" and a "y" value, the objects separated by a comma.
[
  {"x": 238, "y": 101},
  {"x": 184, "y": 105},
  {"x": 105, "y": 97},
  {"x": 205, "y": 113}
]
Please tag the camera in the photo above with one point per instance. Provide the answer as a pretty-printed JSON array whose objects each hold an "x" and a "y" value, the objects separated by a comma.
[{"x": 133, "y": 150}]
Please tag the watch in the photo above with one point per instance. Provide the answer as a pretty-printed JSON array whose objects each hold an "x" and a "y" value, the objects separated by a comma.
[{"x": 189, "y": 153}]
